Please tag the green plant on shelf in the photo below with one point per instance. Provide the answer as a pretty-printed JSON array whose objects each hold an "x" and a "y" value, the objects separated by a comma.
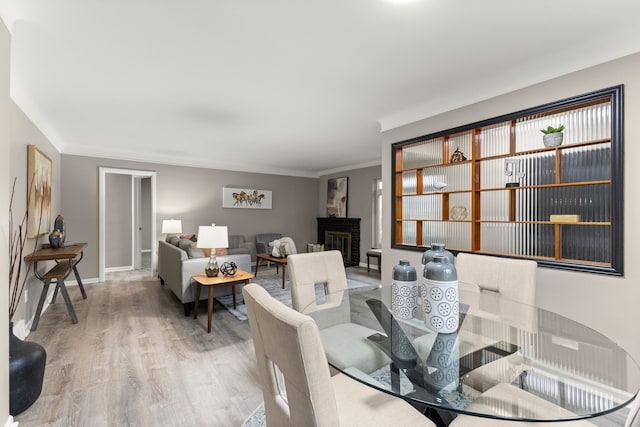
[{"x": 551, "y": 129}]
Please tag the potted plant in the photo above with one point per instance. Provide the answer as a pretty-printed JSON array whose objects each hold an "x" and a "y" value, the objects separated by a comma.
[{"x": 552, "y": 136}]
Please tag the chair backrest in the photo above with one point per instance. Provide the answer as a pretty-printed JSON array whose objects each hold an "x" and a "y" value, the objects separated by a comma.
[
  {"x": 308, "y": 269},
  {"x": 263, "y": 239},
  {"x": 633, "y": 419},
  {"x": 293, "y": 368},
  {"x": 514, "y": 279}
]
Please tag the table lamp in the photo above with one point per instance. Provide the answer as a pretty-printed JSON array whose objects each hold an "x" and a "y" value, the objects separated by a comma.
[
  {"x": 212, "y": 237},
  {"x": 171, "y": 226}
]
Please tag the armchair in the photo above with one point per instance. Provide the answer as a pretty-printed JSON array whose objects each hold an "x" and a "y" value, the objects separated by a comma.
[{"x": 263, "y": 240}]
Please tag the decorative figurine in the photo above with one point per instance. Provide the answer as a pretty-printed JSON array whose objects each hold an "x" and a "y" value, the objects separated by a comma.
[
  {"x": 56, "y": 237},
  {"x": 512, "y": 168},
  {"x": 228, "y": 268},
  {"x": 458, "y": 156}
]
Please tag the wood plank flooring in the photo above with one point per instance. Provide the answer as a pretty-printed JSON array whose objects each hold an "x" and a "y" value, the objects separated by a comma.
[{"x": 134, "y": 359}]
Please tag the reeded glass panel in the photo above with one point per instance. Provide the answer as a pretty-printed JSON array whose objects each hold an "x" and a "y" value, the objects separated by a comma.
[
  {"x": 409, "y": 232},
  {"x": 494, "y": 140},
  {"x": 409, "y": 183},
  {"x": 422, "y": 207},
  {"x": 447, "y": 178},
  {"x": 427, "y": 153},
  {"x": 591, "y": 163},
  {"x": 581, "y": 125},
  {"x": 461, "y": 142},
  {"x": 494, "y": 206},
  {"x": 455, "y": 235},
  {"x": 517, "y": 239},
  {"x": 586, "y": 242},
  {"x": 589, "y": 202}
]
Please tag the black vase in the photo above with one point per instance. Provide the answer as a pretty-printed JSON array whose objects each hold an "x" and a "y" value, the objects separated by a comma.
[{"x": 26, "y": 372}]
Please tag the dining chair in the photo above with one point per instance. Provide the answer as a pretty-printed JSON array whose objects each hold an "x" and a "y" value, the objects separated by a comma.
[
  {"x": 501, "y": 397},
  {"x": 296, "y": 385},
  {"x": 325, "y": 270}
]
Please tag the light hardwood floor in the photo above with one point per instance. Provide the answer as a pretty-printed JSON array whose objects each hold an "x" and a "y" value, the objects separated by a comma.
[{"x": 134, "y": 359}]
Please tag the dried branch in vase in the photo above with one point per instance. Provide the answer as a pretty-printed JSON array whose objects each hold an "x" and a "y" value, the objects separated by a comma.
[{"x": 17, "y": 242}]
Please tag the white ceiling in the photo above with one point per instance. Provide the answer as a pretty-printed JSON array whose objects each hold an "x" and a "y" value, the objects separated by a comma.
[{"x": 290, "y": 87}]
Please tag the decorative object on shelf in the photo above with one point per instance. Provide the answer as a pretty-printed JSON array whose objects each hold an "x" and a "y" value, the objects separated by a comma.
[
  {"x": 246, "y": 198},
  {"x": 439, "y": 185},
  {"x": 457, "y": 156},
  {"x": 513, "y": 170},
  {"x": 27, "y": 359},
  {"x": 56, "y": 237},
  {"x": 171, "y": 226},
  {"x": 552, "y": 136},
  {"x": 337, "y": 193},
  {"x": 39, "y": 170},
  {"x": 436, "y": 249},
  {"x": 440, "y": 295},
  {"x": 228, "y": 268},
  {"x": 458, "y": 213},
  {"x": 212, "y": 237},
  {"x": 564, "y": 218},
  {"x": 404, "y": 291}
]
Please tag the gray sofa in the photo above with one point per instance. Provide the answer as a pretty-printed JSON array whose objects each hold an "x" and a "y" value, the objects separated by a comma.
[
  {"x": 178, "y": 262},
  {"x": 263, "y": 240}
]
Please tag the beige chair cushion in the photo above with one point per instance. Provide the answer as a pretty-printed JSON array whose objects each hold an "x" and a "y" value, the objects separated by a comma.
[
  {"x": 346, "y": 345},
  {"x": 294, "y": 374},
  {"x": 502, "y": 398}
]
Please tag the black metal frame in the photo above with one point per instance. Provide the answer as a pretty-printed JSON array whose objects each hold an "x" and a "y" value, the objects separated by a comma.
[{"x": 616, "y": 94}]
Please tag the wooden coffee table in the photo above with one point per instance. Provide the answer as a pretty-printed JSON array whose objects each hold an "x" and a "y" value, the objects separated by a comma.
[
  {"x": 213, "y": 282},
  {"x": 278, "y": 261}
]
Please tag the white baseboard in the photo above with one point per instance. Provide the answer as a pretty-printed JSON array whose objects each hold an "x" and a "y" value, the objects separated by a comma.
[
  {"x": 11, "y": 423},
  {"x": 123, "y": 268}
]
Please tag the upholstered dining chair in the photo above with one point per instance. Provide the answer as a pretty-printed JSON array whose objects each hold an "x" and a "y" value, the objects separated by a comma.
[
  {"x": 297, "y": 387},
  {"x": 506, "y": 393},
  {"x": 339, "y": 334}
]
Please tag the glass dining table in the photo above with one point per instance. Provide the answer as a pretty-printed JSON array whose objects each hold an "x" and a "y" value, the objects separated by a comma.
[{"x": 506, "y": 361}]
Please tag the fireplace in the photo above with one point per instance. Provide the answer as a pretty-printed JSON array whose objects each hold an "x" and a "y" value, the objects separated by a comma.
[{"x": 342, "y": 234}]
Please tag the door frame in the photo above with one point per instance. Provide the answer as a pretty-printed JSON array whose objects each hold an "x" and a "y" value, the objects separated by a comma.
[{"x": 103, "y": 171}]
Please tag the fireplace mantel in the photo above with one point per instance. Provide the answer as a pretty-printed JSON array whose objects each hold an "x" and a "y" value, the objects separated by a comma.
[{"x": 343, "y": 225}]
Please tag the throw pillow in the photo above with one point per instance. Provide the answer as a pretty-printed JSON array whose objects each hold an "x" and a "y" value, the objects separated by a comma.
[
  {"x": 206, "y": 252},
  {"x": 191, "y": 237},
  {"x": 222, "y": 252},
  {"x": 174, "y": 240},
  {"x": 185, "y": 244}
]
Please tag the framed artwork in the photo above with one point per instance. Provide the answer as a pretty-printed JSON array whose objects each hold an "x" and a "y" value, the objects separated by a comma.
[
  {"x": 246, "y": 198},
  {"x": 39, "y": 170},
  {"x": 337, "y": 191}
]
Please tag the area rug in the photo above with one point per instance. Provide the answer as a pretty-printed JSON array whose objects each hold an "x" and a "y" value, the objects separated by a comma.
[{"x": 272, "y": 282}]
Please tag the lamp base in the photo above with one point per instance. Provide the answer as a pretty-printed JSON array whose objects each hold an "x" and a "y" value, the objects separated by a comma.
[{"x": 212, "y": 269}]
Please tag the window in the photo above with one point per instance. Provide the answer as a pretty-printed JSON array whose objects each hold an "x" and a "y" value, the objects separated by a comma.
[{"x": 494, "y": 188}]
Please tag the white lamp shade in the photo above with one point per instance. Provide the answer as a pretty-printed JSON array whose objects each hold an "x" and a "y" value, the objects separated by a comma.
[
  {"x": 171, "y": 226},
  {"x": 213, "y": 237}
]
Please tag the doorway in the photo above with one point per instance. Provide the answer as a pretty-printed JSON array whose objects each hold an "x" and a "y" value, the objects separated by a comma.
[{"x": 127, "y": 220}]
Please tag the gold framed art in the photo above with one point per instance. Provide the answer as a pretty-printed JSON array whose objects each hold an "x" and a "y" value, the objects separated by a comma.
[{"x": 39, "y": 181}]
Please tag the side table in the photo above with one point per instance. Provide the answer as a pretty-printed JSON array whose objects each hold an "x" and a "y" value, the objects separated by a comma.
[{"x": 212, "y": 282}]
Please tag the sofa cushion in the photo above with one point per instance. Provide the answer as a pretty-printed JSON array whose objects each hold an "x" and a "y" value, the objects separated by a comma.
[
  {"x": 185, "y": 244},
  {"x": 194, "y": 252}
]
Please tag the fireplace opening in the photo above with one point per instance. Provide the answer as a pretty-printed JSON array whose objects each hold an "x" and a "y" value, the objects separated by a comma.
[{"x": 340, "y": 241}]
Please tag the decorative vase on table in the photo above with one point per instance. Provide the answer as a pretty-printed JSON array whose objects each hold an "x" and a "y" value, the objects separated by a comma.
[
  {"x": 26, "y": 372},
  {"x": 439, "y": 293},
  {"x": 436, "y": 249},
  {"x": 404, "y": 289}
]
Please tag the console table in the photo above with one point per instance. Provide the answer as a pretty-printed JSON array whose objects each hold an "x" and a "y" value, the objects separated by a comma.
[{"x": 66, "y": 262}]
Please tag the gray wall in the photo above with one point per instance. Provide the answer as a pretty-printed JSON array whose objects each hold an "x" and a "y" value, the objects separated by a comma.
[
  {"x": 360, "y": 197},
  {"x": 193, "y": 195},
  {"x": 606, "y": 303},
  {"x": 118, "y": 220},
  {"x": 5, "y": 143}
]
